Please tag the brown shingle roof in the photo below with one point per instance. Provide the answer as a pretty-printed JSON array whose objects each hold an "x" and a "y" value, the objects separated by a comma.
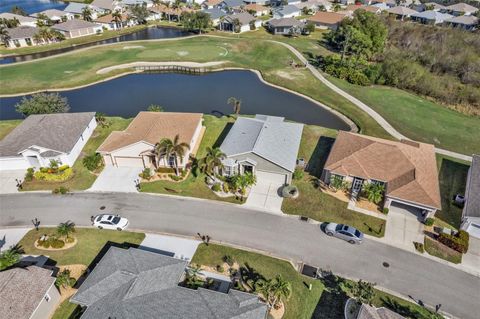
[
  {"x": 327, "y": 17},
  {"x": 109, "y": 18},
  {"x": 22, "y": 289},
  {"x": 151, "y": 127},
  {"x": 409, "y": 168}
]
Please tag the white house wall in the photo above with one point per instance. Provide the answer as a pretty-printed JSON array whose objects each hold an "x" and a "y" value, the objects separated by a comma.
[
  {"x": 71, "y": 157},
  {"x": 46, "y": 308}
]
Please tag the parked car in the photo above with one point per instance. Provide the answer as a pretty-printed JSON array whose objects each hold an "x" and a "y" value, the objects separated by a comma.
[
  {"x": 345, "y": 232},
  {"x": 109, "y": 221}
]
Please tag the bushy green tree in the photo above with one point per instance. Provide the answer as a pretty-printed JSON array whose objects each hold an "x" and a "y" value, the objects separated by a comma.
[
  {"x": 363, "y": 292},
  {"x": 275, "y": 290},
  {"x": 196, "y": 21},
  {"x": 374, "y": 192},
  {"x": 64, "y": 279},
  {"x": 140, "y": 12},
  {"x": 155, "y": 108},
  {"x": 92, "y": 161},
  {"x": 42, "y": 103},
  {"x": 10, "y": 257}
]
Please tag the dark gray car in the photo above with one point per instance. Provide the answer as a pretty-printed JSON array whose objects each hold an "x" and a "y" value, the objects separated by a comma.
[{"x": 345, "y": 232}]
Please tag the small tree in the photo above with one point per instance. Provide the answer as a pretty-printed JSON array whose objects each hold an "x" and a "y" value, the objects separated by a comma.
[
  {"x": 92, "y": 161},
  {"x": 140, "y": 12},
  {"x": 236, "y": 103},
  {"x": 86, "y": 14},
  {"x": 363, "y": 292},
  {"x": 155, "y": 108},
  {"x": 374, "y": 192},
  {"x": 212, "y": 161},
  {"x": 275, "y": 290},
  {"x": 64, "y": 279},
  {"x": 43, "y": 103},
  {"x": 18, "y": 10},
  {"x": 10, "y": 257},
  {"x": 193, "y": 278},
  {"x": 336, "y": 182},
  {"x": 310, "y": 27},
  {"x": 65, "y": 229},
  {"x": 101, "y": 119}
]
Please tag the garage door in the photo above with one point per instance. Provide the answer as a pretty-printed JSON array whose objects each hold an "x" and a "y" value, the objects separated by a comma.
[
  {"x": 129, "y": 161},
  {"x": 275, "y": 178},
  {"x": 406, "y": 209}
]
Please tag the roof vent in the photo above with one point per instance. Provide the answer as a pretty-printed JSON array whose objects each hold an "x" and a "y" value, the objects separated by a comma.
[{"x": 411, "y": 143}]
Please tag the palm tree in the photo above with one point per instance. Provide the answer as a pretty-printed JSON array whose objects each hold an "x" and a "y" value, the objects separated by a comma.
[
  {"x": 167, "y": 148},
  {"x": 236, "y": 25},
  {"x": 374, "y": 192},
  {"x": 10, "y": 256},
  {"x": 18, "y": 10},
  {"x": 87, "y": 14},
  {"x": 64, "y": 279},
  {"x": 194, "y": 273},
  {"x": 64, "y": 229},
  {"x": 117, "y": 17},
  {"x": 4, "y": 36},
  {"x": 212, "y": 161},
  {"x": 236, "y": 103},
  {"x": 275, "y": 290}
]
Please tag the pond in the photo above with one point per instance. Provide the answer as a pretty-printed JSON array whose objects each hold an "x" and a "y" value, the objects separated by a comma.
[
  {"x": 31, "y": 6},
  {"x": 150, "y": 33},
  {"x": 128, "y": 95}
]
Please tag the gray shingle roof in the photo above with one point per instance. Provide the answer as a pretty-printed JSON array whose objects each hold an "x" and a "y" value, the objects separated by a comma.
[
  {"x": 472, "y": 205},
  {"x": 74, "y": 24},
  {"x": 433, "y": 15},
  {"x": 285, "y": 22},
  {"x": 266, "y": 136},
  {"x": 58, "y": 132},
  {"x": 75, "y": 7},
  {"x": 465, "y": 20},
  {"x": 22, "y": 289},
  {"x": 214, "y": 13},
  {"x": 50, "y": 13},
  {"x": 244, "y": 18},
  {"x": 10, "y": 16},
  {"x": 22, "y": 32},
  {"x": 234, "y": 3},
  {"x": 134, "y": 283},
  {"x": 288, "y": 9}
]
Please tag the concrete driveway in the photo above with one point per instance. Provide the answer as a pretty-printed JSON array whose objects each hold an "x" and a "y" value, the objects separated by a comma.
[
  {"x": 264, "y": 195},
  {"x": 116, "y": 179},
  {"x": 8, "y": 185},
  {"x": 472, "y": 258},
  {"x": 403, "y": 228},
  {"x": 11, "y": 236}
]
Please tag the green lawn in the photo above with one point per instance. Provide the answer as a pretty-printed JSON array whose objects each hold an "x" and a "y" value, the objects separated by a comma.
[
  {"x": 420, "y": 119},
  {"x": 315, "y": 146},
  {"x": 439, "y": 250},
  {"x": 7, "y": 126},
  {"x": 194, "y": 186},
  {"x": 90, "y": 243},
  {"x": 452, "y": 178},
  {"x": 327, "y": 297},
  {"x": 67, "y": 310},
  {"x": 82, "y": 178}
]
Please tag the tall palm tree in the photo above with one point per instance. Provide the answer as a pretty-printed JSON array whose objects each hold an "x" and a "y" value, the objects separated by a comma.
[
  {"x": 167, "y": 148},
  {"x": 10, "y": 256},
  {"x": 236, "y": 25},
  {"x": 212, "y": 161},
  {"x": 4, "y": 36},
  {"x": 117, "y": 17},
  {"x": 65, "y": 229},
  {"x": 275, "y": 290},
  {"x": 236, "y": 103},
  {"x": 64, "y": 279},
  {"x": 374, "y": 192},
  {"x": 87, "y": 14}
]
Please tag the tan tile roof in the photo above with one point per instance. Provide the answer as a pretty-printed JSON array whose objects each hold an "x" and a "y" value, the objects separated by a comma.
[
  {"x": 151, "y": 127},
  {"x": 168, "y": 10},
  {"x": 109, "y": 18},
  {"x": 327, "y": 17},
  {"x": 212, "y": 2},
  {"x": 256, "y": 7},
  {"x": 409, "y": 168}
]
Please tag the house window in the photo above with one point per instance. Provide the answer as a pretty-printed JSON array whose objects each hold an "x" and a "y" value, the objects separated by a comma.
[
  {"x": 373, "y": 181},
  {"x": 228, "y": 170},
  {"x": 28, "y": 41},
  {"x": 171, "y": 161},
  {"x": 16, "y": 43},
  {"x": 47, "y": 298}
]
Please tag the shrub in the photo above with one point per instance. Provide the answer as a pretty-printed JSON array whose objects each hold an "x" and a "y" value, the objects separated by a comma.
[
  {"x": 419, "y": 247},
  {"x": 290, "y": 191},
  {"x": 44, "y": 169},
  {"x": 298, "y": 174},
  {"x": 51, "y": 177},
  {"x": 92, "y": 161},
  {"x": 216, "y": 187},
  {"x": 458, "y": 242},
  {"x": 226, "y": 188},
  {"x": 29, "y": 174},
  {"x": 429, "y": 221},
  {"x": 385, "y": 210},
  {"x": 220, "y": 268},
  {"x": 183, "y": 172},
  {"x": 146, "y": 173},
  {"x": 69, "y": 240},
  {"x": 175, "y": 177},
  {"x": 229, "y": 260},
  {"x": 165, "y": 170},
  {"x": 63, "y": 167},
  {"x": 57, "y": 243}
]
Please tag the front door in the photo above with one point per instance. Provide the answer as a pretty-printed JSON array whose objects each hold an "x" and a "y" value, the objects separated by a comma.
[
  {"x": 247, "y": 169},
  {"x": 357, "y": 185}
]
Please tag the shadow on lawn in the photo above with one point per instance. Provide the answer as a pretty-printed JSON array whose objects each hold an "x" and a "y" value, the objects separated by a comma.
[
  {"x": 319, "y": 156},
  {"x": 222, "y": 135},
  {"x": 333, "y": 299},
  {"x": 250, "y": 276}
]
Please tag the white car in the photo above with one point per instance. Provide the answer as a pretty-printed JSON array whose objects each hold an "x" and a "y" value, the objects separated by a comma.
[{"x": 107, "y": 221}]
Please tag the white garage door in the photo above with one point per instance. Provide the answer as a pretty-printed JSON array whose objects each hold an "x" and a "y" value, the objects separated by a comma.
[
  {"x": 274, "y": 178},
  {"x": 129, "y": 161},
  {"x": 13, "y": 163}
]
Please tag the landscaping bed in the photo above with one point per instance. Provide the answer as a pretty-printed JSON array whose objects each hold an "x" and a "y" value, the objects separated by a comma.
[{"x": 439, "y": 250}]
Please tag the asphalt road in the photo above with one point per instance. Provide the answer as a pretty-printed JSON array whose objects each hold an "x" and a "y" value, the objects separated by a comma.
[{"x": 408, "y": 274}]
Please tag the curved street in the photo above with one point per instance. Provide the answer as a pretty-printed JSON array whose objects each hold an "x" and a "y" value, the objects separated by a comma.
[{"x": 408, "y": 274}]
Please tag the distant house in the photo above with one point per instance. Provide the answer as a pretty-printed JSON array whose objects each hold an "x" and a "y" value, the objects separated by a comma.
[
  {"x": 168, "y": 13},
  {"x": 246, "y": 22},
  {"x": 57, "y": 16},
  {"x": 78, "y": 28},
  {"x": 459, "y": 9},
  {"x": 215, "y": 15},
  {"x": 284, "y": 26},
  {"x": 266, "y": 146},
  {"x": 327, "y": 20},
  {"x": 431, "y": 6},
  {"x": 315, "y": 5},
  {"x": 407, "y": 169},
  {"x": 108, "y": 22},
  {"x": 43, "y": 137},
  {"x": 24, "y": 21},
  {"x": 431, "y": 17},
  {"x": 28, "y": 293},
  {"x": 148, "y": 3},
  {"x": 471, "y": 210},
  {"x": 371, "y": 312},
  {"x": 469, "y": 23},
  {"x": 134, "y": 283},
  {"x": 288, "y": 11},
  {"x": 133, "y": 146},
  {"x": 372, "y": 8},
  {"x": 260, "y": 2},
  {"x": 387, "y": 3},
  {"x": 401, "y": 12},
  {"x": 77, "y": 8},
  {"x": 210, "y": 4},
  {"x": 257, "y": 10},
  {"x": 106, "y": 6},
  {"x": 231, "y": 5},
  {"x": 22, "y": 36}
]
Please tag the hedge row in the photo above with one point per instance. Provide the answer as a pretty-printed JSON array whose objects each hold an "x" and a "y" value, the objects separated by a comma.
[{"x": 458, "y": 242}]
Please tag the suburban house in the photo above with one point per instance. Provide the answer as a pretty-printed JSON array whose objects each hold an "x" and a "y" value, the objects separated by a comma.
[
  {"x": 471, "y": 210},
  {"x": 78, "y": 28},
  {"x": 210, "y": 4},
  {"x": 28, "y": 293},
  {"x": 231, "y": 5},
  {"x": 147, "y": 3},
  {"x": 257, "y": 10},
  {"x": 44, "y": 137},
  {"x": 431, "y": 6},
  {"x": 266, "y": 146},
  {"x": 260, "y": 2},
  {"x": 431, "y": 17},
  {"x": 55, "y": 15},
  {"x": 407, "y": 169},
  {"x": 285, "y": 26},
  {"x": 108, "y": 22},
  {"x": 401, "y": 12},
  {"x": 314, "y": 5},
  {"x": 465, "y": 22},
  {"x": 24, "y": 21},
  {"x": 215, "y": 15},
  {"x": 460, "y": 9},
  {"x": 133, "y": 147},
  {"x": 106, "y": 6},
  {"x": 76, "y": 9},
  {"x": 135, "y": 283},
  {"x": 22, "y": 36},
  {"x": 371, "y": 312},
  {"x": 288, "y": 11},
  {"x": 168, "y": 13},
  {"x": 327, "y": 20},
  {"x": 246, "y": 22}
]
